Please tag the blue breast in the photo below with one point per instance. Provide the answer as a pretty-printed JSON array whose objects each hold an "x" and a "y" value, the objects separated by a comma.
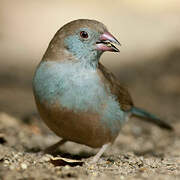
[{"x": 78, "y": 88}]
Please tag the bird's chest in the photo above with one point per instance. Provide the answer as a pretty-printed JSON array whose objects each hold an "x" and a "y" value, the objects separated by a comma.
[
  {"x": 73, "y": 86},
  {"x": 79, "y": 90}
]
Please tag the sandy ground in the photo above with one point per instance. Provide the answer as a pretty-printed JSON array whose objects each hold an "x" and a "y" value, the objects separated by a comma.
[{"x": 142, "y": 150}]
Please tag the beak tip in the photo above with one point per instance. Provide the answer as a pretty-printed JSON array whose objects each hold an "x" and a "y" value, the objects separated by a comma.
[
  {"x": 117, "y": 50},
  {"x": 106, "y": 36}
]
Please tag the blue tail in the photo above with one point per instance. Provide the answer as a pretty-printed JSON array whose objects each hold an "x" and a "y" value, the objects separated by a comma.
[{"x": 150, "y": 118}]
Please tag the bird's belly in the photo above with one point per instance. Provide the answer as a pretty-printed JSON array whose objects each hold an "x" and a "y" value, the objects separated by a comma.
[{"x": 84, "y": 127}]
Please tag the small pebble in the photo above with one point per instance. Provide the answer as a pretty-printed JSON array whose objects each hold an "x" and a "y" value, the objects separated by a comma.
[
  {"x": 6, "y": 161},
  {"x": 45, "y": 158},
  {"x": 24, "y": 166}
]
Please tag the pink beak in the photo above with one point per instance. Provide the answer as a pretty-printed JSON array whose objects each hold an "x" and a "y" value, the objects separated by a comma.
[{"x": 105, "y": 42}]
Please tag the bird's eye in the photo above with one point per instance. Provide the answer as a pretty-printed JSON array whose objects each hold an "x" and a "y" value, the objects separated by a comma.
[{"x": 84, "y": 34}]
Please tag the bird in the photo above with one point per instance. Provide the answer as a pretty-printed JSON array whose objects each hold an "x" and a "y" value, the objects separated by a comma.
[{"x": 77, "y": 97}]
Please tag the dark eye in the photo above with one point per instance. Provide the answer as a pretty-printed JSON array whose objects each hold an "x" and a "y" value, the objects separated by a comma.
[{"x": 84, "y": 34}]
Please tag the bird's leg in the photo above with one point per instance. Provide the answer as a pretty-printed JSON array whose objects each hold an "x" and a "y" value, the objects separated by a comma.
[
  {"x": 100, "y": 152},
  {"x": 53, "y": 147}
]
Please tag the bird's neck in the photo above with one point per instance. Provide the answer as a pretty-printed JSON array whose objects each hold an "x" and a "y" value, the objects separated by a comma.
[
  {"x": 86, "y": 58},
  {"x": 88, "y": 61}
]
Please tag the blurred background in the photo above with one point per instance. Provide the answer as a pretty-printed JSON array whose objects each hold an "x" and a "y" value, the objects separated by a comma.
[{"x": 148, "y": 64}]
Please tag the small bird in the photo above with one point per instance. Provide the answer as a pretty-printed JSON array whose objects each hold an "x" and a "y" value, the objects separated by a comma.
[{"x": 77, "y": 97}]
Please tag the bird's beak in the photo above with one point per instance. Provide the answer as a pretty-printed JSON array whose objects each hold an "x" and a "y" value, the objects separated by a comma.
[{"x": 105, "y": 42}]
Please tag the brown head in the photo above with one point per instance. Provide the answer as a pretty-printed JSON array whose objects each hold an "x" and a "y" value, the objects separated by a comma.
[{"x": 80, "y": 38}]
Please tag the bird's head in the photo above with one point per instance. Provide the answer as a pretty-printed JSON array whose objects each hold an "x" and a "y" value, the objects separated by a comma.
[{"x": 84, "y": 39}]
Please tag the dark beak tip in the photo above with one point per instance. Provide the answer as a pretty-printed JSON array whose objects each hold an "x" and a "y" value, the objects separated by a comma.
[{"x": 114, "y": 48}]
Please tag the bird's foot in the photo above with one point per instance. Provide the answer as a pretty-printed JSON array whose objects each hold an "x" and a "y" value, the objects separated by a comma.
[{"x": 96, "y": 158}]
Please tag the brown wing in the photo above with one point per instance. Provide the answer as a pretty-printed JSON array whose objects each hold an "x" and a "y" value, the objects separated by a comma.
[{"x": 122, "y": 93}]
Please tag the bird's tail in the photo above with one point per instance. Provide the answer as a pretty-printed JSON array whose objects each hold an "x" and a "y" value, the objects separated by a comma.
[{"x": 140, "y": 113}]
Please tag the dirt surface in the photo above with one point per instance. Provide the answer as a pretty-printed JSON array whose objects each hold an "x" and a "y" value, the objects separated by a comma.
[{"x": 141, "y": 151}]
